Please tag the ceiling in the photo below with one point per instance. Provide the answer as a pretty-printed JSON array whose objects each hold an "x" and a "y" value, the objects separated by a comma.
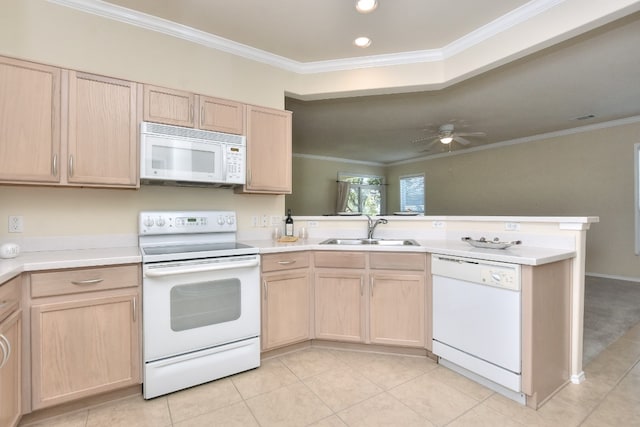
[{"x": 595, "y": 73}]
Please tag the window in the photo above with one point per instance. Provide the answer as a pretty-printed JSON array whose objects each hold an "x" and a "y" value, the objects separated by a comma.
[
  {"x": 366, "y": 193},
  {"x": 412, "y": 193}
]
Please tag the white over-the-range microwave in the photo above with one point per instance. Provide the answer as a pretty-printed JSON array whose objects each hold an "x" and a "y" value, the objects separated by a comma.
[{"x": 184, "y": 156}]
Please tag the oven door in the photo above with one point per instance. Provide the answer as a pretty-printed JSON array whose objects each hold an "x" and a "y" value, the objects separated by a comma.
[{"x": 198, "y": 304}]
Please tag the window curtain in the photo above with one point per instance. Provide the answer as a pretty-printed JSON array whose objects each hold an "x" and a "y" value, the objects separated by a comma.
[{"x": 342, "y": 196}]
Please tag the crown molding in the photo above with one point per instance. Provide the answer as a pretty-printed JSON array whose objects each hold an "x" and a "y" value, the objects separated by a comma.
[
  {"x": 337, "y": 159},
  {"x": 153, "y": 23}
]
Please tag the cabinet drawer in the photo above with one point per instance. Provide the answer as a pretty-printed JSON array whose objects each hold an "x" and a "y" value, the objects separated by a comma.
[
  {"x": 285, "y": 261},
  {"x": 340, "y": 259},
  {"x": 62, "y": 282},
  {"x": 397, "y": 261}
]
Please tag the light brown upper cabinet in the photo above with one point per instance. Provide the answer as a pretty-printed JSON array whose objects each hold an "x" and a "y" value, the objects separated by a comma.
[
  {"x": 86, "y": 137},
  {"x": 180, "y": 108},
  {"x": 30, "y": 116},
  {"x": 102, "y": 132},
  {"x": 268, "y": 151}
]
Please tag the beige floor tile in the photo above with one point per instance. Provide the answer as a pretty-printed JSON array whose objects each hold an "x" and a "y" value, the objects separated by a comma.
[
  {"x": 626, "y": 350},
  {"x": 236, "y": 415},
  {"x": 76, "y": 419},
  {"x": 271, "y": 375},
  {"x": 388, "y": 371},
  {"x": 461, "y": 383},
  {"x": 483, "y": 416},
  {"x": 131, "y": 412},
  {"x": 629, "y": 387},
  {"x": 201, "y": 399},
  {"x": 607, "y": 368},
  {"x": 514, "y": 410},
  {"x": 310, "y": 362},
  {"x": 633, "y": 334},
  {"x": 341, "y": 388},
  {"x": 332, "y": 421},
  {"x": 433, "y": 399},
  {"x": 615, "y": 411},
  {"x": 382, "y": 410},
  {"x": 292, "y": 405}
]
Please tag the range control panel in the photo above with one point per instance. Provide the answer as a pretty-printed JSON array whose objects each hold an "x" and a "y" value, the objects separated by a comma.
[{"x": 186, "y": 222}]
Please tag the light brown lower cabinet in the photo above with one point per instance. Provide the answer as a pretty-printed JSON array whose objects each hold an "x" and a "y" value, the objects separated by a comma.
[
  {"x": 376, "y": 297},
  {"x": 10, "y": 369},
  {"x": 286, "y": 293},
  {"x": 87, "y": 342},
  {"x": 397, "y": 309}
]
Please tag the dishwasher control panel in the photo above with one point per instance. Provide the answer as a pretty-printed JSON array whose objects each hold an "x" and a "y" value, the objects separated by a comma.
[
  {"x": 502, "y": 277},
  {"x": 485, "y": 272}
]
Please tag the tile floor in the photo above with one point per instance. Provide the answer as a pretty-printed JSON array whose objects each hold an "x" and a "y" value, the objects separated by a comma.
[{"x": 325, "y": 387}]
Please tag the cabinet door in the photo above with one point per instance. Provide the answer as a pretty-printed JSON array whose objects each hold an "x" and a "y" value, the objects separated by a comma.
[
  {"x": 103, "y": 130},
  {"x": 30, "y": 130},
  {"x": 10, "y": 380},
  {"x": 168, "y": 106},
  {"x": 339, "y": 305},
  {"x": 221, "y": 115},
  {"x": 397, "y": 304},
  {"x": 268, "y": 151},
  {"x": 285, "y": 308},
  {"x": 84, "y": 347}
]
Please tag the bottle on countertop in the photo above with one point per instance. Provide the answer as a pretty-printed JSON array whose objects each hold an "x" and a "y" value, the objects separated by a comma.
[{"x": 288, "y": 224}]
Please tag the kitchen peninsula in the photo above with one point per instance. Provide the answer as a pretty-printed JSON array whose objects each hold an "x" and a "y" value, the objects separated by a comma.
[{"x": 545, "y": 241}]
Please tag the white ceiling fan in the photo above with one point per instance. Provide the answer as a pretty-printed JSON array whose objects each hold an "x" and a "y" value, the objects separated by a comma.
[{"x": 446, "y": 135}]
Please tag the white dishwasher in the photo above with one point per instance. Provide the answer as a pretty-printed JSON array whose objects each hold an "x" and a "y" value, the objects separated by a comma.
[{"x": 477, "y": 320}]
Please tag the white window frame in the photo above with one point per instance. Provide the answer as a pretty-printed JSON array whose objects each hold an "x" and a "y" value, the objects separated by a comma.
[
  {"x": 382, "y": 187},
  {"x": 424, "y": 197}
]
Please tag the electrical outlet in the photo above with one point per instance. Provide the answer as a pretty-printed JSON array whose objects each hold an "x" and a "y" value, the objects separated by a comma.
[
  {"x": 312, "y": 224},
  {"x": 512, "y": 226},
  {"x": 437, "y": 224},
  {"x": 16, "y": 224},
  {"x": 265, "y": 220},
  {"x": 276, "y": 220},
  {"x": 254, "y": 221}
]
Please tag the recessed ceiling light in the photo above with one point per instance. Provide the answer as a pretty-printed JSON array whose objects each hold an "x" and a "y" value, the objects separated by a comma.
[
  {"x": 366, "y": 6},
  {"x": 362, "y": 42}
]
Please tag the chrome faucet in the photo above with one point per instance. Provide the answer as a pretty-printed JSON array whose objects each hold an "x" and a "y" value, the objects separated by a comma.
[{"x": 371, "y": 225}]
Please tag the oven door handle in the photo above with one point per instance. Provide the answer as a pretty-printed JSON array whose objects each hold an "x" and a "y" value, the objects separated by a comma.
[{"x": 171, "y": 271}]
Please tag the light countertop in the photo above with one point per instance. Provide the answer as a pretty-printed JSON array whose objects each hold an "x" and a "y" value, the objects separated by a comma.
[{"x": 48, "y": 260}]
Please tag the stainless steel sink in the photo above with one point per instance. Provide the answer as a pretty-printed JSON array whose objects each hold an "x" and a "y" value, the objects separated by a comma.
[{"x": 379, "y": 242}]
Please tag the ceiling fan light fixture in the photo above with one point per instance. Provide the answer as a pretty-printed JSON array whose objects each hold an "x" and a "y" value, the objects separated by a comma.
[
  {"x": 362, "y": 42},
  {"x": 446, "y": 139},
  {"x": 366, "y": 6}
]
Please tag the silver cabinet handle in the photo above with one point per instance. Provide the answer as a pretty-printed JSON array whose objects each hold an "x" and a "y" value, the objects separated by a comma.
[
  {"x": 70, "y": 166},
  {"x": 201, "y": 114},
  {"x": 287, "y": 262},
  {"x": 87, "y": 282},
  {"x": 6, "y": 350},
  {"x": 55, "y": 165},
  {"x": 191, "y": 113},
  {"x": 264, "y": 288},
  {"x": 371, "y": 282},
  {"x": 361, "y": 286},
  {"x": 133, "y": 306}
]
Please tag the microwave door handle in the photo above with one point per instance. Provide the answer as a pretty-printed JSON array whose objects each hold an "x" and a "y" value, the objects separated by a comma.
[
  {"x": 171, "y": 271},
  {"x": 224, "y": 164}
]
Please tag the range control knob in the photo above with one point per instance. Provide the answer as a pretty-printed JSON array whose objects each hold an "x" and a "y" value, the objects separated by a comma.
[
  {"x": 160, "y": 222},
  {"x": 148, "y": 222},
  {"x": 220, "y": 220},
  {"x": 230, "y": 220}
]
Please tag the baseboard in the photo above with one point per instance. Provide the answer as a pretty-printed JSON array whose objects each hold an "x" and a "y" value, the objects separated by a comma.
[
  {"x": 578, "y": 378},
  {"x": 615, "y": 277}
]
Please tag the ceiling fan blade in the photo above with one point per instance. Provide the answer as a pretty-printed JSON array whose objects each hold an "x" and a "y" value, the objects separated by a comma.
[
  {"x": 426, "y": 138},
  {"x": 429, "y": 147},
  {"x": 478, "y": 134},
  {"x": 461, "y": 140}
]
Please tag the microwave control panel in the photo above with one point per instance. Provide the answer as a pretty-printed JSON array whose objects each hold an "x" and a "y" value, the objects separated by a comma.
[{"x": 235, "y": 164}]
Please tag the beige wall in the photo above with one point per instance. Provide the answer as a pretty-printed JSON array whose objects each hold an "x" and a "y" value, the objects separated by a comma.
[
  {"x": 314, "y": 184},
  {"x": 583, "y": 174}
]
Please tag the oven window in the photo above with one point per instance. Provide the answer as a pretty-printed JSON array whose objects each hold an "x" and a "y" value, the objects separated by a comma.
[{"x": 206, "y": 303}]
